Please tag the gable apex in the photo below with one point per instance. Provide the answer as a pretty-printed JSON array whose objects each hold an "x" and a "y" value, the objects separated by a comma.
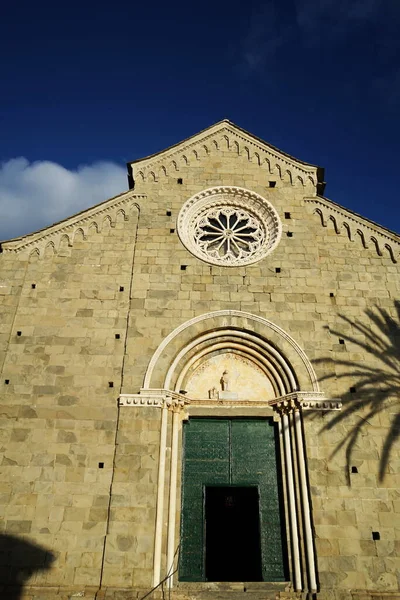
[{"x": 224, "y": 135}]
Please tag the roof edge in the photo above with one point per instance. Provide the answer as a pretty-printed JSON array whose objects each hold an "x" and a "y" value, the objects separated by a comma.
[
  {"x": 355, "y": 214},
  {"x": 320, "y": 170},
  {"x": 34, "y": 235}
]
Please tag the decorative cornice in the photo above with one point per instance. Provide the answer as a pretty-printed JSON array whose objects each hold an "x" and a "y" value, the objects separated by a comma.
[
  {"x": 63, "y": 234},
  {"x": 356, "y": 227},
  {"x": 154, "y": 398},
  {"x": 225, "y": 136},
  {"x": 306, "y": 401}
]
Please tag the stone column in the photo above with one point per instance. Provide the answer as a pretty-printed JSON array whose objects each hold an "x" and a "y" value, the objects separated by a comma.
[
  {"x": 166, "y": 401},
  {"x": 289, "y": 409}
]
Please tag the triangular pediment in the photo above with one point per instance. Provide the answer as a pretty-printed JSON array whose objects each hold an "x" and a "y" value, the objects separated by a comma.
[{"x": 224, "y": 136}]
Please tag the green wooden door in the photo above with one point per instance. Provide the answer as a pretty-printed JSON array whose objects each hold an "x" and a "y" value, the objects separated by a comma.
[{"x": 223, "y": 452}]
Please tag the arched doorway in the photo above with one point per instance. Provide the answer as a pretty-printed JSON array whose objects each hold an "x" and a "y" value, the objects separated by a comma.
[{"x": 274, "y": 382}]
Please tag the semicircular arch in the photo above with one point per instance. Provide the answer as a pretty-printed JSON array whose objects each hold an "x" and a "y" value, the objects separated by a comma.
[{"x": 264, "y": 342}]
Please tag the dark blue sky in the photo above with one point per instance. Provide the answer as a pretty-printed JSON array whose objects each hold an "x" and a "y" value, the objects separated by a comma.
[{"x": 320, "y": 79}]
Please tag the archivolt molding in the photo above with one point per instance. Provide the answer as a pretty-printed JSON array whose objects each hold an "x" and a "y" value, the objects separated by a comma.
[
  {"x": 62, "y": 235},
  {"x": 221, "y": 139},
  {"x": 226, "y": 316},
  {"x": 356, "y": 228}
]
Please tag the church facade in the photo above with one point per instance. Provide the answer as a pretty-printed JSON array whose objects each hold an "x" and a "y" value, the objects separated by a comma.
[{"x": 199, "y": 388}]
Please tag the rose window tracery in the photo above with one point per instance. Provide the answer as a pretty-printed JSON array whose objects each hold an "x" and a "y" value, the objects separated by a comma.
[
  {"x": 229, "y": 226},
  {"x": 229, "y": 234}
]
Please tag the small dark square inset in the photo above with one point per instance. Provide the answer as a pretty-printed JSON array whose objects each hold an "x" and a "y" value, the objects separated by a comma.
[
  {"x": 287, "y": 215},
  {"x": 6, "y": 381},
  {"x": 121, "y": 288},
  {"x": 183, "y": 267},
  {"x": 289, "y": 233},
  {"x": 376, "y": 535},
  {"x": 172, "y": 230},
  {"x": 19, "y": 333},
  {"x": 33, "y": 286},
  {"x": 101, "y": 465},
  {"x": 341, "y": 341},
  {"x": 179, "y": 181},
  {"x": 168, "y": 213},
  {"x": 353, "y": 390},
  {"x": 272, "y": 184},
  {"x": 277, "y": 270},
  {"x": 354, "y": 470},
  {"x": 110, "y": 384},
  {"x": 331, "y": 295},
  {"x": 117, "y": 336}
]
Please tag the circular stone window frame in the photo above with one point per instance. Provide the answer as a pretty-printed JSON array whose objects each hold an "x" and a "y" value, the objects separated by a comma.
[{"x": 229, "y": 197}]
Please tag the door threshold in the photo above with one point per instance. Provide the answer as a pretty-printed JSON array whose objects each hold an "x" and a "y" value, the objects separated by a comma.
[{"x": 234, "y": 586}]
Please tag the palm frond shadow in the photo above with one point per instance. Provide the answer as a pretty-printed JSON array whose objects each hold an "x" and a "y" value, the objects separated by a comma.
[{"x": 377, "y": 387}]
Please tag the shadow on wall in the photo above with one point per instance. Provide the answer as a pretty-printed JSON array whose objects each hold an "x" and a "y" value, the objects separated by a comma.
[
  {"x": 377, "y": 388},
  {"x": 19, "y": 559}
]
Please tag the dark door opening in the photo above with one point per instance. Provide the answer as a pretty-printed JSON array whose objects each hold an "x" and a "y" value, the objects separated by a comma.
[{"x": 232, "y": 534}]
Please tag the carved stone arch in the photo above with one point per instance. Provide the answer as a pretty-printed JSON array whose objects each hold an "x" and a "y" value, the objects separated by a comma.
[
  {"x": 107, "y": 223},
  {"x": 376, "y": 244},
  {"x": 152, "y": 176},
  {"x": 288, "y": 176},
  {"x": 65, "y": 241},
  {"x": 64, "y": 246},
  {"x": 231, "y": 330},
  {"x": 79, "y": 235},
  {"x": 311, "y": 180},
  {"x": 93, "y": 227},
  {"x": 34, "y": 255},
  {"x": 247, "y": 152},
  {"x": 163, "y": 171},
  {"x": 335, "y": 225},
  {"x": 319, "y": 212},
  {"x": 49, "y": 249},
  {"x": 300, "y": 180},
  {"x": 236, "y": 147},
  {"x": 215, "y": 144},
  {"x": 133, "y": 211},
  {"x": 227, "y": 140},
  {"x": 348, "y": 230},
  {"x": 121, "y": 216},
  {"x": 195, "y": 154},
  {"x": 206, "y": 150},
  {"x": 185, "y": 159},
  {"x": 140, "y": 175},
  {"x": 174, "y": 165},
  {"x": 391, "y": 253},
  {"x": 268, "y": 163},
  {"x": 279, "y": 170},
  {"x": 258, "y": 159},
  {"x": 362, "y": 237}
]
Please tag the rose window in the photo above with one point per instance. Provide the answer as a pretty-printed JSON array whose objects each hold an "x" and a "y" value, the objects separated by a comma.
[
  {"x": 229, "y": 226},
  {"x": 228, "y": 234}
]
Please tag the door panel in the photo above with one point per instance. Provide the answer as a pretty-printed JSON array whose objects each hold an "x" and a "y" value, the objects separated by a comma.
[{"x": 236, "y": 452}]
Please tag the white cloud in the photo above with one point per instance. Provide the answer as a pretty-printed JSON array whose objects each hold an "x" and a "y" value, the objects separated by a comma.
[{"x": 34, "y": 195}]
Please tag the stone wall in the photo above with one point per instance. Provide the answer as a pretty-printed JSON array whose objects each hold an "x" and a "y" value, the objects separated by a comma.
[{"x": 60, "y": 420}]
